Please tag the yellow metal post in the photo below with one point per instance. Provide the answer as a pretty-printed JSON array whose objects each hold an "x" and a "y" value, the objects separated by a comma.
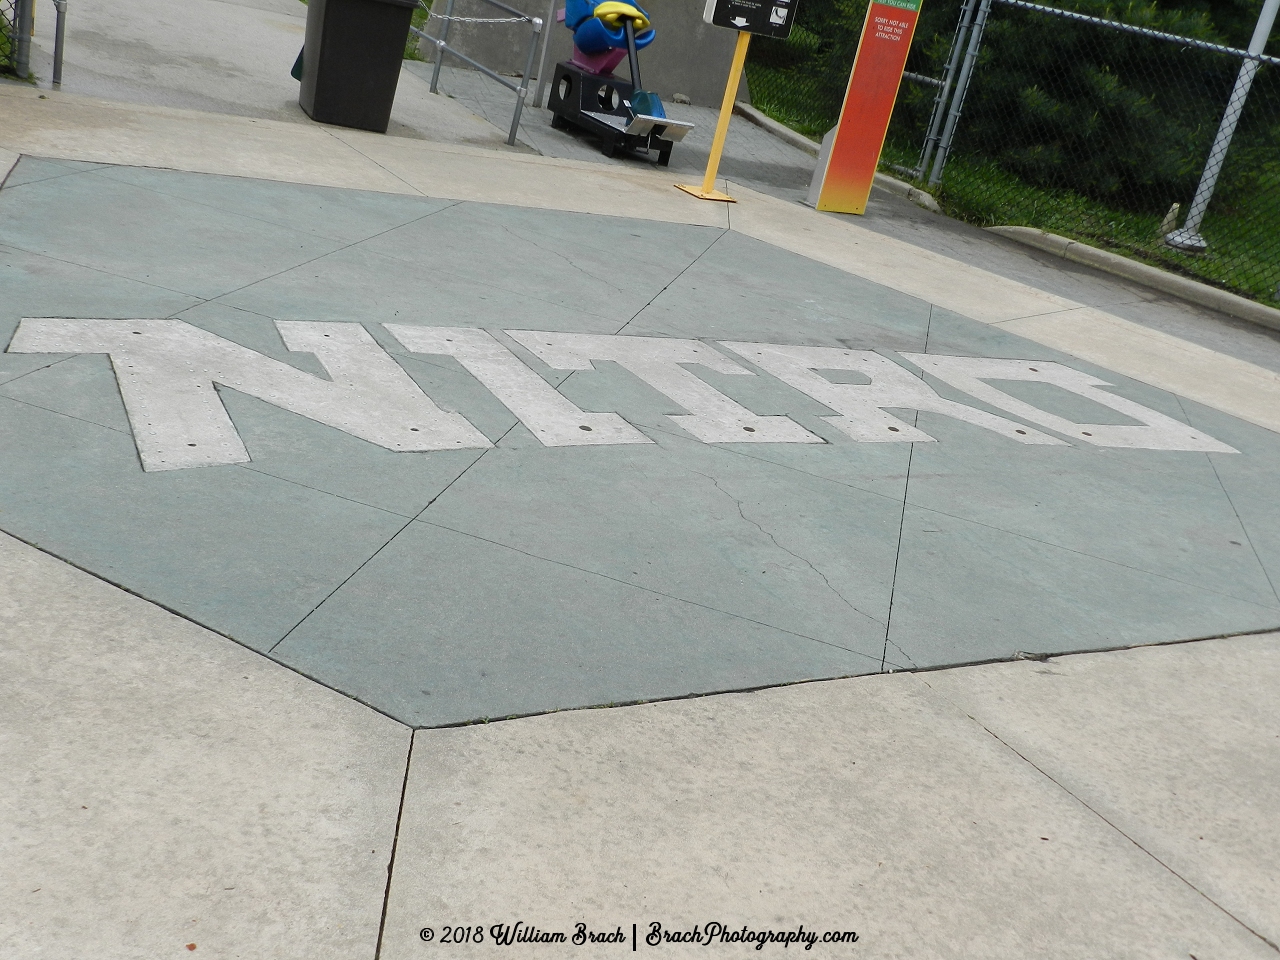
[{"x": 708, "y": 191}]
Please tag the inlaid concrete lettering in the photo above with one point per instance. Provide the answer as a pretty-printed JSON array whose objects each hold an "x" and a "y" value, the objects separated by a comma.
[
  {"x": 167, "y": 369},
  {"x": 712, "y": 418},
  {"x": 860, "y": 404},
  {"x": 1154, "y": 431},
  {"x": 550, "y": 416}
]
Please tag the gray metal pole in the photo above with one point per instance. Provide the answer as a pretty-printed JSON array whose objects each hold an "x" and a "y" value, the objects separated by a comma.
[
  {"x": 444, "y": 38},
  {"x": 22, "y": 25},
  {"x": 944, "y": 94},
  {"x": 1188, "y": 238},
  {"x": 523, "y": 92},
  {"x": 542, "y": 61},
  {"x": 59, "y": 41},
  {"x": 962, "y": 88}
]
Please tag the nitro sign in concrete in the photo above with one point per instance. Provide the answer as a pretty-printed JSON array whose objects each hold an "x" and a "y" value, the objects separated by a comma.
[{"x": 167, "y": 371}]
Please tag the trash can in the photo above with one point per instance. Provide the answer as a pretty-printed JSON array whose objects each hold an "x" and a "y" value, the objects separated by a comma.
[{"x": 351, "y": 60}]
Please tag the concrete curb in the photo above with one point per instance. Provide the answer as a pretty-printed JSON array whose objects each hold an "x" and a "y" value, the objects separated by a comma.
[
  {"x": 1171, "y": 283},
  {"x": 801, "y": 142},
  {"x": 779, "y": 130}
]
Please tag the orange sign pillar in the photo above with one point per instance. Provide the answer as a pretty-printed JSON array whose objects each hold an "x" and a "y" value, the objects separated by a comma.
[{"x": 848, "y": 162}]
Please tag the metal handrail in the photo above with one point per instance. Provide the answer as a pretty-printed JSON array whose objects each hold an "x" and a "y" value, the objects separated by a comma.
[{"x": 442, "y": 47}]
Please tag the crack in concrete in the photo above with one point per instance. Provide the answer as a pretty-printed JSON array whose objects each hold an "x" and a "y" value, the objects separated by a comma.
[
  {"x": 557, "y": 253},
  {"x": 788, "y": 552}
]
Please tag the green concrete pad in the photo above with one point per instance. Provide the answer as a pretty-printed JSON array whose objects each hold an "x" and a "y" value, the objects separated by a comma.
[
  {"x": 243, "y": 553},
  {"x": 743, "y": 289},
  {"x": 34, "y": 170},
  {"x": 686, "y": 521},
  {"x": 442, "y": 628},
  {"x": 45, "y": 286},
  {"x": 1249, "y": 484},
  {"x": 471, "y": 582},
  {"x": 142, "y": 235},
  {"x": 343, "y": 215}
]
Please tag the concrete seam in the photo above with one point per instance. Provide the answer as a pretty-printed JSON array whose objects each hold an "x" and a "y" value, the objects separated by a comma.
[
  {"x": 1173, "y": 284},
  {"x": 105, "y": 173},
  {"x": 689, "y": 266},
  {"x": 952, "y": 516},
  {"x": 384, "y": 546},
  {"x": 172, "y": 611},
  {"x": 5, "y": 383},
  {"x": 1231, "y": 503},
  {"x": 106, "y": 273},
  {"x": 644, "y": 589},
  {"x": 17, "y": 157},
  {"x": 902, "y": 522},
  {"x": 1084, "y": 803},
  {"x": 341, "y": 249},
  {"x": 395, "y": 843},
  {"x": 328, "y": 493},
  {"x": 56, "y": 413},
  {"x": 375, "y": 163}
]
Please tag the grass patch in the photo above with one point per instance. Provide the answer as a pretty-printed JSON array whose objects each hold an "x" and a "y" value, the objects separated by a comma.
[
  {"x": 1243, "y": 254},
  {"x": 791, "y": 96},
  {"x": 1244, "y": 247},
  {"x": 420, "y": 16}
]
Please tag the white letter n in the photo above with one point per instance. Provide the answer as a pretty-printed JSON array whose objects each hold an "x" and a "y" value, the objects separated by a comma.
[{"x": 167, "y": 368}]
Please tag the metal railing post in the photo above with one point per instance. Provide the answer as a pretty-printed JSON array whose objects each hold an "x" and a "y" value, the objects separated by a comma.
[
  {"x": 523, "y": 92},
  {"x": 944, "y": 94},
  {"x": 59, "y": 41},
  {"x": 538, "y": 101},
  {"x": 441, "y": 42},
  {"x": 962, "y": 88},
  {"x": 1188, "y": 238}
]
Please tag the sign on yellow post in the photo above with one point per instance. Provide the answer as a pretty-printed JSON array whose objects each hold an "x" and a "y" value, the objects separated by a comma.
[{"x": 771, "y": 18}]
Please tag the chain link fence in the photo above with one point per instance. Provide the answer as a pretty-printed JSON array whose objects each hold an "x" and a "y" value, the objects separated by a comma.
[
  {"x": 1071, "y": 123},
  {"x": 8, "y": 33}
]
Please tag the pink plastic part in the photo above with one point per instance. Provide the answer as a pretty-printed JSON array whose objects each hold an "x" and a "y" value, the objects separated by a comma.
[{"x": 601, "y": 64}]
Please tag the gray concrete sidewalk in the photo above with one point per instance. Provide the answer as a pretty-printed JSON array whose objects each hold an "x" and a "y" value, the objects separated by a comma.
[{"x": 168, "y": 789}]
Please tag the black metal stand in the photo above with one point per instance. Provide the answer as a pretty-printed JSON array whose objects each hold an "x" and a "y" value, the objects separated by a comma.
[{"x": 601, "y": 105}]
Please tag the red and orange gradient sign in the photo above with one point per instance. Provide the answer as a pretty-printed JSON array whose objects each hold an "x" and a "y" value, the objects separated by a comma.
[{"x": 868, "y": 105}]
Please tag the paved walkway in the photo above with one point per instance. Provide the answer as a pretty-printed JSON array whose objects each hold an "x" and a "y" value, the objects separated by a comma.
[{"x": 297, "y": 476}]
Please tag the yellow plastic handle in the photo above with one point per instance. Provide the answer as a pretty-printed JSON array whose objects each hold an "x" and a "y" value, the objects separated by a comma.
[{"x": 612, "y": 12}]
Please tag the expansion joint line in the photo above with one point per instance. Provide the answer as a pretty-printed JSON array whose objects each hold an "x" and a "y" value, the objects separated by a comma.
[
  {"x": 666, "y": 286},
  {"x": 395, "y": 843},
  {"x": 1084, "y": 803},
  {"x": 902, "y": 524},
  {"x": 1231, "y": 503}
]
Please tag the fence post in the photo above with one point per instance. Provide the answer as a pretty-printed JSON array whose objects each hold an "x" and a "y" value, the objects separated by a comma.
[
  {"x": 22, "y": 27},
  {"x": 1188, "y": 238},
  {"x": 944, "y": 92},
  {"x": 962, "y": 88}
]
